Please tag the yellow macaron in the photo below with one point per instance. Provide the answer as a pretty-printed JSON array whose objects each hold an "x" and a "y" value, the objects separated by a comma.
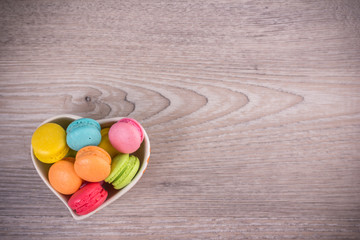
[
  {"x": 49, "y": 143},
  {"x": 105, "y": 143}
]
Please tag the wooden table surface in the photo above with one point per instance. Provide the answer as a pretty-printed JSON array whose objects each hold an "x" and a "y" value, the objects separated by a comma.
[{"x": 252, "y": 109}]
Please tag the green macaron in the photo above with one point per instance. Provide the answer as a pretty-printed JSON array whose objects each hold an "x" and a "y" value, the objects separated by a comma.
[{"x": 123, "y": 169}]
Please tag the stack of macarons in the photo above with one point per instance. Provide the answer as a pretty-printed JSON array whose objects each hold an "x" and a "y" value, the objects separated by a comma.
[{"x": 84, "y": 157}]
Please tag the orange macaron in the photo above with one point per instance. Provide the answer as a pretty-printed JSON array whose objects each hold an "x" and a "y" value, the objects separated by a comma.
[
  {"x": 63, "y": 178},
  {"x": 92, "y": 163}
]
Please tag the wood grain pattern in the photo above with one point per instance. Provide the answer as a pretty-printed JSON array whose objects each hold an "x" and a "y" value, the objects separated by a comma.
[{"x": 252, "y": 109}]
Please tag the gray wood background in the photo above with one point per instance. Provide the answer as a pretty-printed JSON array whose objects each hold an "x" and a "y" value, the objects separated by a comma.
[{"x": 252, "y": 108}]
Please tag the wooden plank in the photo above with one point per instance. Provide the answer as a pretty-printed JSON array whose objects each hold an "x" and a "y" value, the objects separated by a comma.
[{"x": 252, "y": 110}]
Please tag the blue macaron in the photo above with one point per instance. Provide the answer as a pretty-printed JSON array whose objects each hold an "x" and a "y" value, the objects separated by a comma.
[{"x": 83, "y": 132}]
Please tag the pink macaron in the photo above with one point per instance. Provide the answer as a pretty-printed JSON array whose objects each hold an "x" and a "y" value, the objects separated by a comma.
[{"x": 126, "y": 135}]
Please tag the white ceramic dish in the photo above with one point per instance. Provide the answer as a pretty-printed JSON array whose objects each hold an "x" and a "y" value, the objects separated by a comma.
[{"x": 143, "y": 153}]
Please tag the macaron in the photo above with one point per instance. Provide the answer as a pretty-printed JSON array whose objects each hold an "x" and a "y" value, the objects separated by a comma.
[
  {"x": 88, "y": 198},
  {"x": 83, "y": 132},
  {"x": 123, "y": 169},
  {"x": 105, "y": 143},
  {"x": 49, "y": 143},
  {"x": 92, "y": 163},
  {"x": 126, "y": 135},
  {"x": 62, "y": 176}
]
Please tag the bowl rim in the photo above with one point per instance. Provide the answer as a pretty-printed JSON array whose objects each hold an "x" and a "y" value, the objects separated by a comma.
[{"x": 120, "y": 192}]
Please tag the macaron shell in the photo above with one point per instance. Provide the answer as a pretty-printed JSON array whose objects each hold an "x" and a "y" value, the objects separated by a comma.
[
  {"x": 49, "y": 143},
  {"x": 126, "y": 176},
  {"x": 135, "y": 124},
  {"x": 83, "y": 122},
  {"x": 63, "y": 178},
  {"x": 83, "y": 132},
  {"x": 124, "y": 137},
  {"x": 92, "y": 164},
  {"x": 88, "y": 198},
  {"x": 105, "y": 143}
]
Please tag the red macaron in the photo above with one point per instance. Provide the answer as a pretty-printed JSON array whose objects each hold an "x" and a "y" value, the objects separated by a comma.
[{"x": 88, "y": 198}]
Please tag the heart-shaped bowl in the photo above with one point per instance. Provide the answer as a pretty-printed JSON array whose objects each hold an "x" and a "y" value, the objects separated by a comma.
[{"x": 143, "y": 153}]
